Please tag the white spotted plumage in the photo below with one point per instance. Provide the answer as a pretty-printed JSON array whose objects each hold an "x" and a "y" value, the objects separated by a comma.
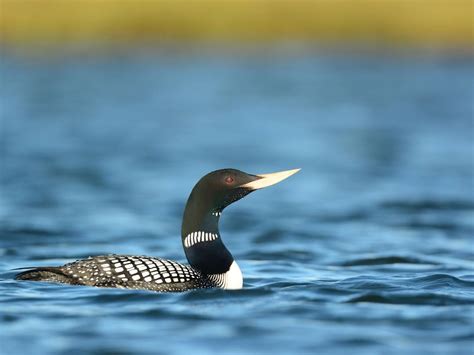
[{"x": 135, "y": 272}]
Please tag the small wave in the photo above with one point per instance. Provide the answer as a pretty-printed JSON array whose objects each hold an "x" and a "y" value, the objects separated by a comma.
[
  {"x": 162, "y": 313},
  {"x": 213, "y": 294},
  {"x": 290, "y": 254},
  {"x": 383, "y": 260},
  {"x": 468, "y": 336},
  {"x": 359, "y": 215},
  {"x": 288, "y": 285},
  {"x": 271, "y": 235},
  {"x": 31, "y": 231},
  {"x": 98, "y": 296},
  {"x": 8, "y": 252},
  {"x": 438, "y": 281},
  {"x": 442, "y": 226},
  {"x": 423, "y": 205},
  {"x": 424, "y": 298}
]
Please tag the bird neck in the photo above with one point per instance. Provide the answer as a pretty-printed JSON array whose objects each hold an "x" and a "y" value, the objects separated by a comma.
[{"x": 201, "y": 239}]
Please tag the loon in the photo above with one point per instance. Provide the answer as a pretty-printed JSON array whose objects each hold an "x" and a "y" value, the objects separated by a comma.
[{"x": 211, "y": 264}]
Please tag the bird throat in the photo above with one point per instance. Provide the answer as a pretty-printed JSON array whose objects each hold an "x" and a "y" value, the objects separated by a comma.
[{"x": 201, "y": 239}]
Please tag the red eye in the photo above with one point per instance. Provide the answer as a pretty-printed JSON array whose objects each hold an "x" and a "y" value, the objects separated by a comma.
[{"x": 229, "y": 180}]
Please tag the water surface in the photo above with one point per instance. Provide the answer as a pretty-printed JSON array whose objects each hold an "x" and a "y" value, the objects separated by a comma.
[{"x": 369, "y": 249}]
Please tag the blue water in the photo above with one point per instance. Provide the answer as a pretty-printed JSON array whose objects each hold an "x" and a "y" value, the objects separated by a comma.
[{"x": 368, "y": 250}]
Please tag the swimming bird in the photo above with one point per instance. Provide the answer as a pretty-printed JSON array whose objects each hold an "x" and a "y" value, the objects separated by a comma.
[{"x": 210, "y": 262}]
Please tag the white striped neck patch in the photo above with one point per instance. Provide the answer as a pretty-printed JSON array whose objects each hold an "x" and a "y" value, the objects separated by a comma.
[{"x": 199, "y": 237}]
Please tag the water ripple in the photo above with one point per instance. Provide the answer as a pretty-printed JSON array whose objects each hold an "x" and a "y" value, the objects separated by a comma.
[
  {"x": 368, "y": 250},
  {"x": 412, "y": 299},
  {"x": 382, "y": 260}
]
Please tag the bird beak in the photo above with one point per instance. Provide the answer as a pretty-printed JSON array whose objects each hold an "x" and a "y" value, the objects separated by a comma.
[{"x": 265, "y": 180}]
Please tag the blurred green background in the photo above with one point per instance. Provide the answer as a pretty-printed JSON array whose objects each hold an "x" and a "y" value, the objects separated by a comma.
[{"x": 414, "y": 22}]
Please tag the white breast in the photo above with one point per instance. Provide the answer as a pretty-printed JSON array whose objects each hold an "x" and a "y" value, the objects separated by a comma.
[{"x": 230, "y": 280}]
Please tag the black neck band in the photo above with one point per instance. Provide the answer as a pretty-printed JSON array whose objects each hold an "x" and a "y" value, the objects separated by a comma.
[{"x": 209, "y": 257}]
